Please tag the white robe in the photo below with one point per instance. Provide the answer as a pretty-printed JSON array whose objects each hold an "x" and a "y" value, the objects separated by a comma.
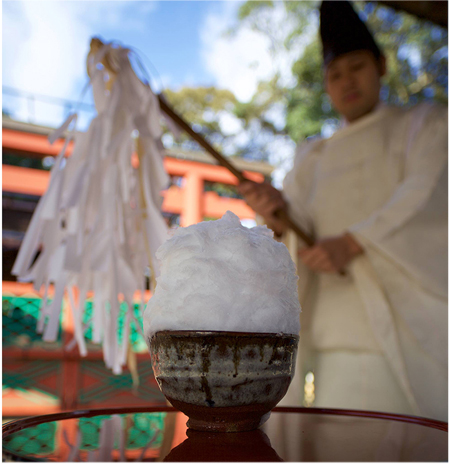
[{"x": 384, "y": 179}]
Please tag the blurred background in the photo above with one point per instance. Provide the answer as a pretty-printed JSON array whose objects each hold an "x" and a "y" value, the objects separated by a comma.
[{"x": 247, "y": 75}]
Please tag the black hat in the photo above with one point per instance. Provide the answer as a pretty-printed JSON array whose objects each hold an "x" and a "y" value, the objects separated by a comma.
[{"x": 342, "y": 31}]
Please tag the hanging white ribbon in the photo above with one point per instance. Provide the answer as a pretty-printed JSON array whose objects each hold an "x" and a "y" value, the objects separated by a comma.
[{"x": 90, "y": 225}]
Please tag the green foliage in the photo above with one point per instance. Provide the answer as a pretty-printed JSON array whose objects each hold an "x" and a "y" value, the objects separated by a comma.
[
  {"x": 268, "y": 94},
  {"x": 416, "y": 51},
  {"x": 202, "y": 108},
  {"x": 308, "y": 105},
  {"x": 193, "y": 102},
  {"x": 249, "y": 8},
  {"x": 417, "y": 57},
  {"x": 223, "y": 190},
  {"x": 402, "y": 37},
  {"x": 11, "y": 158}
]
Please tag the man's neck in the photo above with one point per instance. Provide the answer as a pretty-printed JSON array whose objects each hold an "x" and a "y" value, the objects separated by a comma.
[{"x": 347, "y": 122}]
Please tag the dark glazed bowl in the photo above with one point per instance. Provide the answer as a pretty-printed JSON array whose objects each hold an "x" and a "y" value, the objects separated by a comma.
[{"x": 223, "y": 381}]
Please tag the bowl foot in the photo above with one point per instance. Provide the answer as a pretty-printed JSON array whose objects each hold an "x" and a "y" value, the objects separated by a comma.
[
  {"x": 241, "y": 425},
  {"x": 227, "y": 419}
]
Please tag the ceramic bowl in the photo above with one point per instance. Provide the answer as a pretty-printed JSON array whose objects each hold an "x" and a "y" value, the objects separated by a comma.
[{"x": 223, "y": 381}]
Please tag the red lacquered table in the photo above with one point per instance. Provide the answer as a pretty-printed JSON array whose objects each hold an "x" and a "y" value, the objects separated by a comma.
[{"x": 160, "y": 434}]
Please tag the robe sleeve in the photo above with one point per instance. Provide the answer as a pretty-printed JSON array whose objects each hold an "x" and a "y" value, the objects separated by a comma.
[
  {"x": 425, "y": 158},
  {"x": 406, "y": 245}
]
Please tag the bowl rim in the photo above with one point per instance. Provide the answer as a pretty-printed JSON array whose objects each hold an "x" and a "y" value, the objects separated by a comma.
[{"x": 180, "y": 333}]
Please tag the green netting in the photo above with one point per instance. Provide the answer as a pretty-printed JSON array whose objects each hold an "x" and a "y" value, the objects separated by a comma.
[
  {"x": 138, "y": 343},
  {"x": 27, "y": 377},
  {"x": 145, "y": 428},
  {"x": 140, "y": 430},
  {"x": 38, "y": 440},
  {"x": 31, "y": 377},
  {"x": 103, "y": 386},
  {"x": 21, "y": 313},
  {"x": 90, "y": 431},
  {"x": 19, "y": 318}
]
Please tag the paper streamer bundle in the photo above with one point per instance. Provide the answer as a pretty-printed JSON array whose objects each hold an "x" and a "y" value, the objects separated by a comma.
[{"x": 99, "y": 223}]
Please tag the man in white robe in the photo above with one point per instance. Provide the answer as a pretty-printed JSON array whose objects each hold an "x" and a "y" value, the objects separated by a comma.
[{"x": 374, "y": 196}]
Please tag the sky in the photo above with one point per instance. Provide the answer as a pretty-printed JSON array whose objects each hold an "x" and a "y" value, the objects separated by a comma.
[{"x": 45, "y": 44}]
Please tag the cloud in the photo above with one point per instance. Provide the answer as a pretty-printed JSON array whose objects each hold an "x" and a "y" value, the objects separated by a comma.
[
  {"x": 229, "y": 124},
  {"x": 228, "y": 59},
  {"x": 239, "y": 61},
  {"x": 48, "y": 57},
  {"x": 45, "y": 44}
]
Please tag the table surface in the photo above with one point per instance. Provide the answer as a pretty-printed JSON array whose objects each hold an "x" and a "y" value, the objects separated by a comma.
[{"x": 158, "y": 434}]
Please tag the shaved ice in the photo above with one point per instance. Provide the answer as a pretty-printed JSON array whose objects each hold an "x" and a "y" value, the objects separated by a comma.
[{"x": 220, "y": 275}]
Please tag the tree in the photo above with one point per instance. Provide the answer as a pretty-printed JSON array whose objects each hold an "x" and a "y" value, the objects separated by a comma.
[
  {"x": 235, "y": 128},
  {"x": 416, "y": 50},
  {"x": 291, "y": 108},
  {"x": 206, "y": 109}
]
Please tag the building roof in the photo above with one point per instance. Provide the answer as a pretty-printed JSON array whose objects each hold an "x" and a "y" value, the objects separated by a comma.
[{"x": 199, "y": 156}]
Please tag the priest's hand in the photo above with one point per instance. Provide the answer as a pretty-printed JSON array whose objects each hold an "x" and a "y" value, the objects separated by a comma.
[
  {"x": 264, "y": 200},
  {"x": 332, "y": 254}
]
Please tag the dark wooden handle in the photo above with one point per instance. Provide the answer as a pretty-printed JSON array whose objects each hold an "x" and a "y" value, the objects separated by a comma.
[
  {"x": 198, "y": 138},
  {"x": 281, "y": 214}
]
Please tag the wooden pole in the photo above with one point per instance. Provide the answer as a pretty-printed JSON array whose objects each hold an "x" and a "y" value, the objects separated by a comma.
[{"x": 280, "y": 213}]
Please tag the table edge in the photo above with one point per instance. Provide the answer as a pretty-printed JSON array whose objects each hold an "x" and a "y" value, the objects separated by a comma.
[{"x": 14, "y": 426}]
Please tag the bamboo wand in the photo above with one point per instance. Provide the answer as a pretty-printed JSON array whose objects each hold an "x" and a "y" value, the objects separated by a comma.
[{"x": 279, "y": 213}]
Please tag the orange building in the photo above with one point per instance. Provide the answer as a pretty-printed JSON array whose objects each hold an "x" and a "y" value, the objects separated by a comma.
[{"x": 41, "y": 377}]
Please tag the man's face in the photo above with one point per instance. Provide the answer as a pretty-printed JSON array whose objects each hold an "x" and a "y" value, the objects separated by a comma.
[{"x": 353, "y": 83}]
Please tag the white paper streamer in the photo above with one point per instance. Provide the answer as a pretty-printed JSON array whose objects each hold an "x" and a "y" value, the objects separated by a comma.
[{"x": 99, "y": 223}]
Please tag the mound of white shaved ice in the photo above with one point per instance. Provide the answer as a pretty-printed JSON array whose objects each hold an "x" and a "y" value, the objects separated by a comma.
[{"x": 220, "y": 275}]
